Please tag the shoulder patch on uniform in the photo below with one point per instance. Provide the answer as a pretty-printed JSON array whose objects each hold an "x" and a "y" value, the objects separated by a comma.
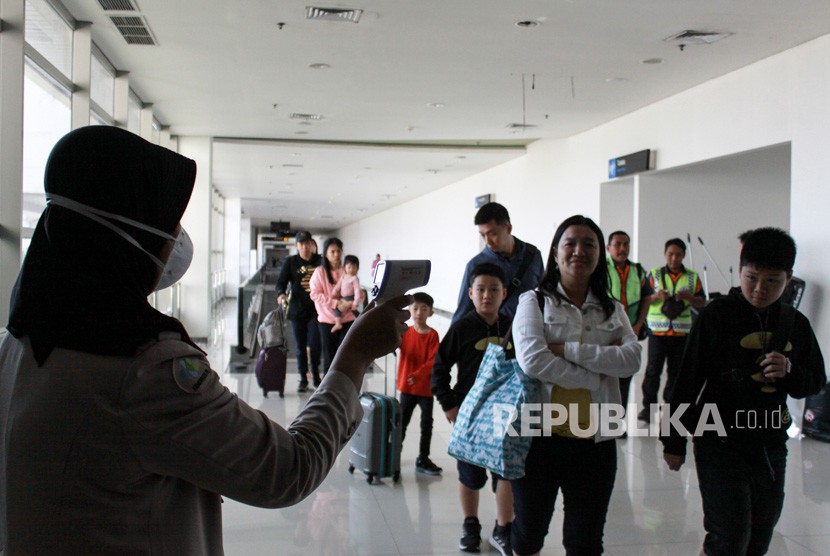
[{"x": 190, "y": 373}]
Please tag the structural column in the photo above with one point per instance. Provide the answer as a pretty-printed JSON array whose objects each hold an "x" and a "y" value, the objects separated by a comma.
[
  {"x": 81, "y": 73},
  {"x": 12, "y": 24},
  {"x": 196, "y": 286}
]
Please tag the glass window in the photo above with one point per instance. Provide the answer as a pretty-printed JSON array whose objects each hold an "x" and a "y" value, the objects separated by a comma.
[
  {"x": 49, "y": 34},
  {"x": 46, "y": 118},
  {"x": 102, "y": 87}
]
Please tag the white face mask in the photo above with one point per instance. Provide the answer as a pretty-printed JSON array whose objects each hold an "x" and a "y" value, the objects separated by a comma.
[{"x": 179, "y": 259}]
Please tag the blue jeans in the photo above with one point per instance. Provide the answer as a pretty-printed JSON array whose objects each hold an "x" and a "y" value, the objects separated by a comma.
[
  {"x": 584, "y": 470},
  {"x": 306, "y": 334},
  {"x": 742, "y": 488}
]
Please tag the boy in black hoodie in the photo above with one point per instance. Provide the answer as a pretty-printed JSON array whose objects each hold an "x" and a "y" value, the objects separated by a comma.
[
  {"x": 745, "y": 354},
  {"x": 464, "y": 346}
]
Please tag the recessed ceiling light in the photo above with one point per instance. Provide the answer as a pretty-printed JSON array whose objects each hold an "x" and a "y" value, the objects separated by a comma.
[
  {"x": 652, "y": 61},
  {"x": 528, "y": 23},
  {"x": 616, "y": 80},
  {"x": 435, "y": 104},
  {"x": 319, "y": 66}
]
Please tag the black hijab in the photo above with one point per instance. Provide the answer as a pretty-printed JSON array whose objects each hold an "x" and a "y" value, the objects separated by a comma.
[{"x": 82, "y": 286}]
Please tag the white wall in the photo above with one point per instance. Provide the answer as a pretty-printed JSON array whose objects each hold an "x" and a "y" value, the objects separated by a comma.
[
  {"x": 780, "y": 99},
  {"x": 715, "y": 201}
]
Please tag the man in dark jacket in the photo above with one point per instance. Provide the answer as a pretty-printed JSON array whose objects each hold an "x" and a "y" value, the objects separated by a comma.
[
  {"x": 745, "y": 354},
  {"x": 521, "y": 262},
  {"x": 295, "y": 274}
]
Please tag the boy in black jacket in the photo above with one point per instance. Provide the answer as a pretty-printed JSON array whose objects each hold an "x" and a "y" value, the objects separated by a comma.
[
  {"x": 464, "y": 346},
  {"x": 745, "y": 353}
]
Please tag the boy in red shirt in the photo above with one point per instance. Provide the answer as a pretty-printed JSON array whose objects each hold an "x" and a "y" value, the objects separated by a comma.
[{"x": 418, "y": 347}]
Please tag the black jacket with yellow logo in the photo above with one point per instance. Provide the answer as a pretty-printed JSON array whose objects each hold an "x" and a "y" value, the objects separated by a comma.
[
  {"x": 464, "y": 346},
  {"x": 721, "y": 366}
]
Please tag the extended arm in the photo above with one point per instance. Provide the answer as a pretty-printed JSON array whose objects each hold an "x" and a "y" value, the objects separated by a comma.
[
  {"x": 182, "y": 422},
  {"x": 621, "y": 359},
  {"x": 534, "y": 355}
]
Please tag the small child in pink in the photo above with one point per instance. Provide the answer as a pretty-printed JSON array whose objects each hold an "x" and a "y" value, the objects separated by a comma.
[{"x": 348, "y": 288}]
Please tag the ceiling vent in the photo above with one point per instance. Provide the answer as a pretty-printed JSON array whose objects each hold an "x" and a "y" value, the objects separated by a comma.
[
  {"x": 686, "y": 38},
  {"x": 134, "y": 29},
  {"x": 333, "y": 14},
  {"x": 520, "y": 126},
  {"x": 306, "y": 117},
  {"x": 117, "y": 6}
]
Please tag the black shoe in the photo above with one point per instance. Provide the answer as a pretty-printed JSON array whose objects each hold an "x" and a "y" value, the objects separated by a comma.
[
  {"x": 500, "y": 539},
  {"x": 644, "y": 416},
  {"x": 426, "y": 466},
  {"x": 317, "y": 384},
  {"x": 302, "y": 388},
  {"x": 470, "y": 535}
]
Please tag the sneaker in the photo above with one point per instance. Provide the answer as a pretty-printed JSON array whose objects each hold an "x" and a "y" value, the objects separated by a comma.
[
  {"x": 644, "y": 416},
  {"x": 302, "y": 388},
  {"x": 500, "y": 539},
  {"x": 470, "y": 535},
  {"x": 426, "y": 466}
]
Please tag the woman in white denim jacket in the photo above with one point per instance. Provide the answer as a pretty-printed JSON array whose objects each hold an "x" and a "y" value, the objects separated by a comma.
[{"x": 579, "y": 349}]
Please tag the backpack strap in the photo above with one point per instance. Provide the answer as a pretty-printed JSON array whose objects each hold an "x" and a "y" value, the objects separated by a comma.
[
  {"x": 530, "y": 254},
  {"x": 540, "y": 298}
]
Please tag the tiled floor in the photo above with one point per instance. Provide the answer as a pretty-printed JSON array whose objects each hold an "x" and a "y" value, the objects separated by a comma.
[{"x": 653, "y": 511}]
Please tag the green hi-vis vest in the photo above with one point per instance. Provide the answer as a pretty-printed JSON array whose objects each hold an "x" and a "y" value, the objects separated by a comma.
[
  {"x": 657, "y": 321},
  {"x": 632, "y": 287}
]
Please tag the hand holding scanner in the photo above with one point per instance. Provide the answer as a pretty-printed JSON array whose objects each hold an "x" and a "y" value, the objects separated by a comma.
[{"x": 393, "y": 278}]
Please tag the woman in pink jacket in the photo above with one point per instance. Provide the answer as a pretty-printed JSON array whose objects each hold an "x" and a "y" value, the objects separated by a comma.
[{"x": 322, "y": 284}]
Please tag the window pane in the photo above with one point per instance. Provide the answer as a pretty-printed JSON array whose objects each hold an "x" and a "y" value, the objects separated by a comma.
[
  {"x": 46, "y": 118},
  {"x": 102, "y": 88},
  {"x": 50, "y": 35}
]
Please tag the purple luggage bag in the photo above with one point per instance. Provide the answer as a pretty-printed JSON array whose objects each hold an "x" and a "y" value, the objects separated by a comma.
[{"x": 270, "y": 370}]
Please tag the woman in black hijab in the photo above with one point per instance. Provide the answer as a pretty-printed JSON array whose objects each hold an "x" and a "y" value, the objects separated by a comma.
[
  {"x": 81, "y": 286},
  {"x": 117, "y": 436}
]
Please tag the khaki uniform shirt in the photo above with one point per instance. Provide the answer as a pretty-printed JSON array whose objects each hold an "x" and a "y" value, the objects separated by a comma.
[{"x": 129, "y": 455}]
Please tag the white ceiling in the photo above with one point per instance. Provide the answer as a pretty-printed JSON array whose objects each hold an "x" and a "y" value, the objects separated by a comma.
[{"x": 449, "y": 76}]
